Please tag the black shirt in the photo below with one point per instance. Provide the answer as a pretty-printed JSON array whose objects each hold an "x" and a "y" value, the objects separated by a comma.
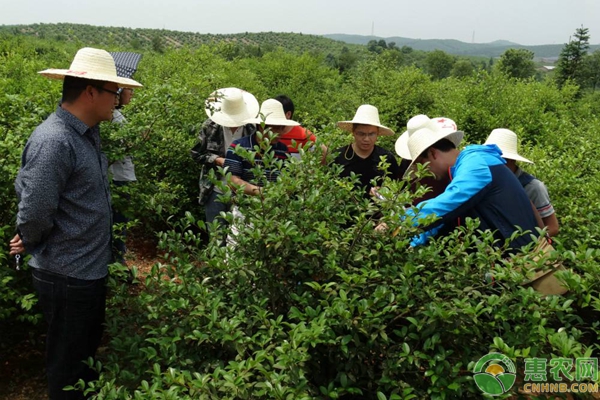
[{"x": 367, "y": 168}]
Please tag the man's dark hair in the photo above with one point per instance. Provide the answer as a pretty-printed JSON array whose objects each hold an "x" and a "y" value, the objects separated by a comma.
[
  {"x": 287, "y": 103},
  {"x": 443, "y": 145},
  {"x": 73, "y": 87}
]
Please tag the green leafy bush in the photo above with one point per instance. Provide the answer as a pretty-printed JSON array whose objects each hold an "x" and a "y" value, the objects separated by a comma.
[{"x": 313, "y": 303}]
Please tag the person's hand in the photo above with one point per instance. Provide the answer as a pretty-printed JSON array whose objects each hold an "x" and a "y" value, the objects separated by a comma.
[
  {"x": 220, "y": 161},
  {"x": 375, "y": 193},
  {"x": 16, "y": 246},
  {"x": 256, "y": 190},
  {"x": 382, "y": 227}
]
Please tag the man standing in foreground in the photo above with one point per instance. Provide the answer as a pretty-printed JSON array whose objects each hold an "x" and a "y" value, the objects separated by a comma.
[{"x": 64, "y": 217}]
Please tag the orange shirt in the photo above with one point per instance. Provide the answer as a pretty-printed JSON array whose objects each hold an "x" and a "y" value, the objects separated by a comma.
[{"x": 300, "y": 135}]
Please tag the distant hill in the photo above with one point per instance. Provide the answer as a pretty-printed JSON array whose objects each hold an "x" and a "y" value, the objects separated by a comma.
[
  {"x": 456, "y": 47},
  {"x": 255, "y": 43},
  {"x": 130, "y": 38}
]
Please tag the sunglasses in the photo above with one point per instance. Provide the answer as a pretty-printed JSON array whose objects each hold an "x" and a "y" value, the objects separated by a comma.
[{"x": 103, "y": 89}]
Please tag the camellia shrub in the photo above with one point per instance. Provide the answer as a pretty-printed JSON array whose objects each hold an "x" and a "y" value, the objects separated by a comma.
[{"x": 311, "y": 302}]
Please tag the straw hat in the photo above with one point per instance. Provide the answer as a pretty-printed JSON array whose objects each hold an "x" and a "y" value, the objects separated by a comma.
[
  {"x": 413, "y": 124},
  {"x": 422, "y": 121},
  {"x": 507, "y": 141},
  {"x": 95, "y": 64},
  {"x": 433, "y": 131},
  {"x": 366, "y": 115},
  {"x": 271, "y": 112},
  {"x": 231, "y": 107}
]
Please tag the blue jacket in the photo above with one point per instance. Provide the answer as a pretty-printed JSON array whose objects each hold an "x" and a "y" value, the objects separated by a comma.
[{"x": 481, "y": 187}]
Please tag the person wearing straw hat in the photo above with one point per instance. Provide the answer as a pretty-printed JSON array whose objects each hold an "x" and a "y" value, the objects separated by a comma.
[
  {"x": 437, "y": 186},
  {"x": 537, "y": 192},
  {"x": 272, "y": 123},
  {"x": 481, "y": 187},
  {"x": 362, "y": 157},
  {"x": 64, "y": 216},
  {"x": 227, "y": 109}
]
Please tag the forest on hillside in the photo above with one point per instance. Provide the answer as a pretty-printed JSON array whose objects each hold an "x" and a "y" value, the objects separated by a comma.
[{"x": 314, "y": 303}]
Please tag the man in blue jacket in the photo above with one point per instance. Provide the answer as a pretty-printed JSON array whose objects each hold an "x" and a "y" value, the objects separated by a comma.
[{"x": 481, "y": 187}]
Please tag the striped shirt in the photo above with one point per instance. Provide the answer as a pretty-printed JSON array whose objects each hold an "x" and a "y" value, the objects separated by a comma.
[
  {"x": 64, "y": 216},
  {"x": 242, "y": 168}
]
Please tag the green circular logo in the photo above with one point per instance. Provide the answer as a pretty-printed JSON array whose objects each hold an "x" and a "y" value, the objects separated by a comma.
[{"x": 494, "y": 374}]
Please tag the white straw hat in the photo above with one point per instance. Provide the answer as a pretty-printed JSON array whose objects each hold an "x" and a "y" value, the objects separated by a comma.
[
  {"x": 445, "y": 125},
  {"x": 507, "y": 141},
  {"x": 231, "y": 106},
  {"x": 434, "y": 131},
  {"x": 366, "y": 115},
  {"x": 95, "y": 64},
  {"x": 271, "y": 112},
  {"x": 413, "y": 124}
]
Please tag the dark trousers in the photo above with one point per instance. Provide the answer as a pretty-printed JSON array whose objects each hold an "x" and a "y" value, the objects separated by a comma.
[
  {"x": 74, "y": 310},
  {"x": 213, "y": 208},
  {"x": 212, "y": 211}
]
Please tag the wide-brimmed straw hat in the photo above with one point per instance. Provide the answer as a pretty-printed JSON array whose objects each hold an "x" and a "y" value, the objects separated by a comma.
[
  {"x": 271, "y": 113},
  {"x": 231, "y": 106},
  {"x": 507, "y": 141},
  {"x": 366, "y": 115},
  {"x": 413, "y": 124},
  {"x": 433, "y": 131},
  {"x": 422, "y": 121},
  {"x": 95, "y": 64}
]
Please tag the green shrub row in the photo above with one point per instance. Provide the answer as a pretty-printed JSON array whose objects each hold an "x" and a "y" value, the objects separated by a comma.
[{"x": 314, "y": 304}]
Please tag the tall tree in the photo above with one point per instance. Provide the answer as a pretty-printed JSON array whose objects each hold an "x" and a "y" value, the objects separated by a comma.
[
  {"x": 517, "y": 63},
  {"x": 571, "y": 62},
  {"x": 593, "y": 70},
  {"x": 439, "y": 64},
  {"x": 462, "y": 68}
]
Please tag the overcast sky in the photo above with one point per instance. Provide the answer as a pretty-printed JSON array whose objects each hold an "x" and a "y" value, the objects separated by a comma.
[{"x": 526, "y": 22}]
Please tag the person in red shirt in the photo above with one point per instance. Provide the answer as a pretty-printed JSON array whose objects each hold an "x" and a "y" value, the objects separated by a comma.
[{"x": 301, "y": 136}]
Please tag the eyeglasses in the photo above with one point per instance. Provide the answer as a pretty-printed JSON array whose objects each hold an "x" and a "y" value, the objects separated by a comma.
[
  {"x": 369, "y": 135},
  {"x": 103, "y": 89}
]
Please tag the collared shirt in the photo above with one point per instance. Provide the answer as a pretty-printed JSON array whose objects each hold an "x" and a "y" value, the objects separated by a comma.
[
  {"x": 537, "y": 193},
  {"x": 64, "y": 216}
]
